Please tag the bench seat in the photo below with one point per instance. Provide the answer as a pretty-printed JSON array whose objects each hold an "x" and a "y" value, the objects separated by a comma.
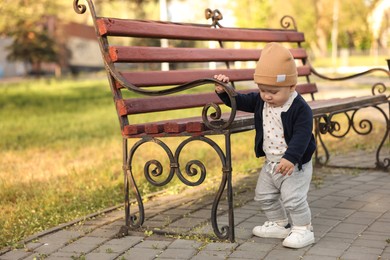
[{"x": 194, "y": 126}]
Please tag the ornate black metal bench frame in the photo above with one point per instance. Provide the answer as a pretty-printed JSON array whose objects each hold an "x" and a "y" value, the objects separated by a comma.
[{"x": 210, "y": 123}]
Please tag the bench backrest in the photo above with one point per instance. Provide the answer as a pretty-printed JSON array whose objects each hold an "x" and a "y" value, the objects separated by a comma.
[{"x": 133, "y": 57}]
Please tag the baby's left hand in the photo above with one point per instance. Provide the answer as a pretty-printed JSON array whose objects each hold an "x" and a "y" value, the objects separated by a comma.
[{"x": 285, "y": 167}]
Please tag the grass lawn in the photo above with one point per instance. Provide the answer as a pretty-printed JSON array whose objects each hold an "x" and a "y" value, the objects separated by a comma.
[{"x": 61, "y": 154}]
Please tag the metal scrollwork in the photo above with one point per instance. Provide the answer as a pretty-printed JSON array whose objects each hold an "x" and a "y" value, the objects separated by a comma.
[
  {"x": 215, "y": 16},
  {"x": 286, "y": 22},
  {"x": 151, "y": 175},
  {"x": 379, "y": 88},
  {"x": 365, "y": 125},
  {"x": 361, "y": 127},
  {"x": 81, "y": 8},
  {"x": 78, "y": 8},
  {"x": 195, "y": 167},
  {"x": 216, "y": 123},
  {"x": 335, "y": 127}
]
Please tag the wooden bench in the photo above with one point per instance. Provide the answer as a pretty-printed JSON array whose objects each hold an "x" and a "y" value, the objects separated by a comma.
[{"x": 189, "y": 57}]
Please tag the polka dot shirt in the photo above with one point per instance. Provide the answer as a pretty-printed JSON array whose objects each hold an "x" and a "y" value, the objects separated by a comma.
[{"x": 274, "y": 144}]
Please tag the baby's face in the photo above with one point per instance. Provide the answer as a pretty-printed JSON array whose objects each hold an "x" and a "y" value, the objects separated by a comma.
[{"x": 275, "y": 96}]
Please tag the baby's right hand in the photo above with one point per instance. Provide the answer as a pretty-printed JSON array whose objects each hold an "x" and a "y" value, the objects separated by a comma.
[{"x": 223, "y": 78}]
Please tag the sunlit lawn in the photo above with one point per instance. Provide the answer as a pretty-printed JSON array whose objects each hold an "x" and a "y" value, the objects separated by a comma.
[{"x": 61, "y": 155}]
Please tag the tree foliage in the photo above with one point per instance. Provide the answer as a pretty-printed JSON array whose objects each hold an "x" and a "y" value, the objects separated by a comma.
[{"x": 32, "y": 45}]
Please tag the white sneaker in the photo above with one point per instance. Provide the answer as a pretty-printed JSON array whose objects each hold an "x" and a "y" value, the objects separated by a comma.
[
  {"x": 300, "y": 236},
  {"x": 271, "y": 230}
]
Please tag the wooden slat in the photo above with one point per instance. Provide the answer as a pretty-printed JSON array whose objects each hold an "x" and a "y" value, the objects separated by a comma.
[
  {"x": 152, "y": 29},
  {"x": 307, "y": 88},
  {"x": 177, "y": 77},
  {"x": 339, "y": 104},
  {"x": 157, "y": 54},
  {"x": 164, "y": 103},
  {"x": 154, "y": 104}
]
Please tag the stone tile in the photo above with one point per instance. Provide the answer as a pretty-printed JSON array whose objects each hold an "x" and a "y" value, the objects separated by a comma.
[
  {"x": 324, "y": 203},
  {"x": 375, "y": 207},
  {"x": 358, "y": 256},
  {"x": 48, "y": 248},
  {"x": 335, "y": 213},
  {"x": 15, "y": 255},
  {"x": 367, "y": 235},
  {"x": 361, "y": 242},
  {"x": 257, "y": 247},
  {"x": 365, "y": 250},
  {"x": 336, "y": 198},
  {"x": 380, "y": 227},
  {"x": 318, "y": 257},
  {"x": 178, "y": 253},
  {"x": 285, "y": 253},
  {"x": 325, "y": 251},
  {"x": 220, "y": 246},
  {"x": 79, "y": 248},
  {"x": 153, "y": 244},
  {"x": 202, "y": 213},
  {"x": 141, "y": 253},
  {"x": 63, "y": 255},
  {"x": 341, "y": 235},
  {"x": 118, "y": 245},
  {"x": 90, "y": 240},
  {"x": 187, "y": 222},
  {"x": 330, "y": 244},
  {"x": 103, "y": 232},
  {"x": 357, "y": 220},
  {"x": 350, "y": 204},
  {"x": 349, "y": 228},
  {"x": 325, "y": 222},
  {"x": 181, "y": 243},
  {"x": 101, "y": 256},
  {"x": 61, "y": 237},
  {"x": 248, "y": 254},
  {"x": 209, "y": 254}
]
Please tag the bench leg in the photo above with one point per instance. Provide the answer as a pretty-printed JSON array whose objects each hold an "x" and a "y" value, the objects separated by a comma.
[
  {"x": 321, "y": 128},
  {"x": 229, "y": 186},
  {"x": 385, "y": 163},
  {"x": 326, "y": 124},
  {"x": 227, "y": 232},
  {"x": 131, "y": 220}
]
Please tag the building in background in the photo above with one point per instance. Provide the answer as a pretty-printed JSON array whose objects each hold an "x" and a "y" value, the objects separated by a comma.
[{"x": 77, "y": 46}]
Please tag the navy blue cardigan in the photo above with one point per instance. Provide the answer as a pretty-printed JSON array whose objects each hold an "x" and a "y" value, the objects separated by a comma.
[{"x": 297, "y": 126}]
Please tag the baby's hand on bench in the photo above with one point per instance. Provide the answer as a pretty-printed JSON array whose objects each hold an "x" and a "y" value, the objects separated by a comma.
[{"x": 223, "y": 78}]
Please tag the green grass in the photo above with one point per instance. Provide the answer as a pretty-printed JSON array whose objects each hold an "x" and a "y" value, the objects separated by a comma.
[{"x": 61, "y": 155}]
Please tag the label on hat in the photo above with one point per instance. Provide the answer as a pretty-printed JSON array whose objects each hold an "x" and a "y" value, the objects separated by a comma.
[{"x": 281, "y": 78}]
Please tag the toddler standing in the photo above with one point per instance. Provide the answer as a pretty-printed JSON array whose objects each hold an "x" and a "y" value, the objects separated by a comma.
[{"x": 284, "y": 124}]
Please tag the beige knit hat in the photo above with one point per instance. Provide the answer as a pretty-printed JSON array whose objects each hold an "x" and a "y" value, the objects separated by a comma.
[{"x": 276, "y": 67}]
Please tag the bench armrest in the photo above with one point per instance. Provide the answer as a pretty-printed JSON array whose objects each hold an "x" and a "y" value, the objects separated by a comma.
[
  {"x": 379, "y": 87},
  {"x": 350, "y": 76}
]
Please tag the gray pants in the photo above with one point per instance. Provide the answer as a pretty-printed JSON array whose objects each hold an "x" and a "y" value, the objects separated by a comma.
[{"x": 277, "y": 193}]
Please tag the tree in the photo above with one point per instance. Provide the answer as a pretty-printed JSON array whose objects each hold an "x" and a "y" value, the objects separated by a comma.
[
  {"x": 27, "y": 23},
  {"x": 32, "y": 45}
]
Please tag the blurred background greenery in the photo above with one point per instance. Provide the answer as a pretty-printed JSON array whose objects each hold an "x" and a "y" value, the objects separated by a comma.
[{"x": 36, "y": 30}]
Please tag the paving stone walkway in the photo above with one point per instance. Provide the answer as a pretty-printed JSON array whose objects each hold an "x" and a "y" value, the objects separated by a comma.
[{"x": 351, "y": 219}]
